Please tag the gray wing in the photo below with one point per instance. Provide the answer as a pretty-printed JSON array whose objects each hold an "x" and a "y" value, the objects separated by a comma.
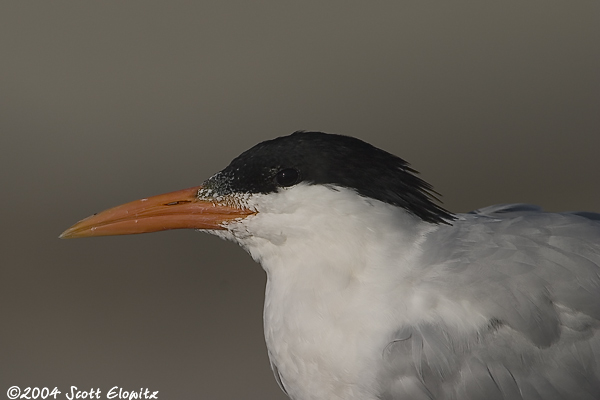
[{"x": 535, "y": 277}]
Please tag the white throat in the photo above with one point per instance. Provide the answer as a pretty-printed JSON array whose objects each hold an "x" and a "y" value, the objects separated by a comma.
[{"x": 334, "y": 262}]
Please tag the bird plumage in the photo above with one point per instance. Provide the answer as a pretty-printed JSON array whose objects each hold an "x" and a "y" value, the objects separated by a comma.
[
  {"x": 533, "y": 276},
  {"x": 366, "y": 301},
  {"x": 375, "y": 292}
]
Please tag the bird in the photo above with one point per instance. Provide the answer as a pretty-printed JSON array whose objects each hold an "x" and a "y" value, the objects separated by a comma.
[{"x": 376, "y": 292}]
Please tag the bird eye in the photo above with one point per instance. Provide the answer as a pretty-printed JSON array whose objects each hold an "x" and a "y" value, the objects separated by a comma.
[{"x": 287, "y": 177}]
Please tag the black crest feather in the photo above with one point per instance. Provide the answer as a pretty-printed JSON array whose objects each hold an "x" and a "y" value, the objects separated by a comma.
[{"x": 322, "y": 158}]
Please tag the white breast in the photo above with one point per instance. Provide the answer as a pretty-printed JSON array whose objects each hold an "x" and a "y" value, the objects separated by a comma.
[
  {"x": 332, "y": 296},
  {"x": 324, "y": 346}
]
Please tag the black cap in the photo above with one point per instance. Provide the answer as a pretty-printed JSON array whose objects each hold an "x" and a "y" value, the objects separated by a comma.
[{"x": 318, "y": 158}]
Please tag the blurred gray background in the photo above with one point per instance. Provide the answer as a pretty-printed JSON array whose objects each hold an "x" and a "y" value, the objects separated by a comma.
[{"x": 106, "y": 102}]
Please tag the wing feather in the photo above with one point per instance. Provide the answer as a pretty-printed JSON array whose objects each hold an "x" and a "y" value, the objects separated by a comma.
[{"x": 535, "y": 277}]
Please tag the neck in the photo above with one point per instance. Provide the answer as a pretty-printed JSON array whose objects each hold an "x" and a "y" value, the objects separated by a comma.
[{"x": 333, "y": 281}]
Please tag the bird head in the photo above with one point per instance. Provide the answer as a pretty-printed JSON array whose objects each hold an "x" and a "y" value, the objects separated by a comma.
[{"x": 275, "y": 177}]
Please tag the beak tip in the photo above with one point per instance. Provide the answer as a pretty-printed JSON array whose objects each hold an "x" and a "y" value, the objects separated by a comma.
[
  {"x": 74, "y": 232},
  {"x": 66, "y": 234}
]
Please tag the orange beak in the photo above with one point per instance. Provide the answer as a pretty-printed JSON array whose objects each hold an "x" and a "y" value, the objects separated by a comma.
[{"x": 175, "y": 210}]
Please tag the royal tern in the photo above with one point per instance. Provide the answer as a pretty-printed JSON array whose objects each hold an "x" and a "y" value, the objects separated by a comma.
[{"x": 376, "y": 292}]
